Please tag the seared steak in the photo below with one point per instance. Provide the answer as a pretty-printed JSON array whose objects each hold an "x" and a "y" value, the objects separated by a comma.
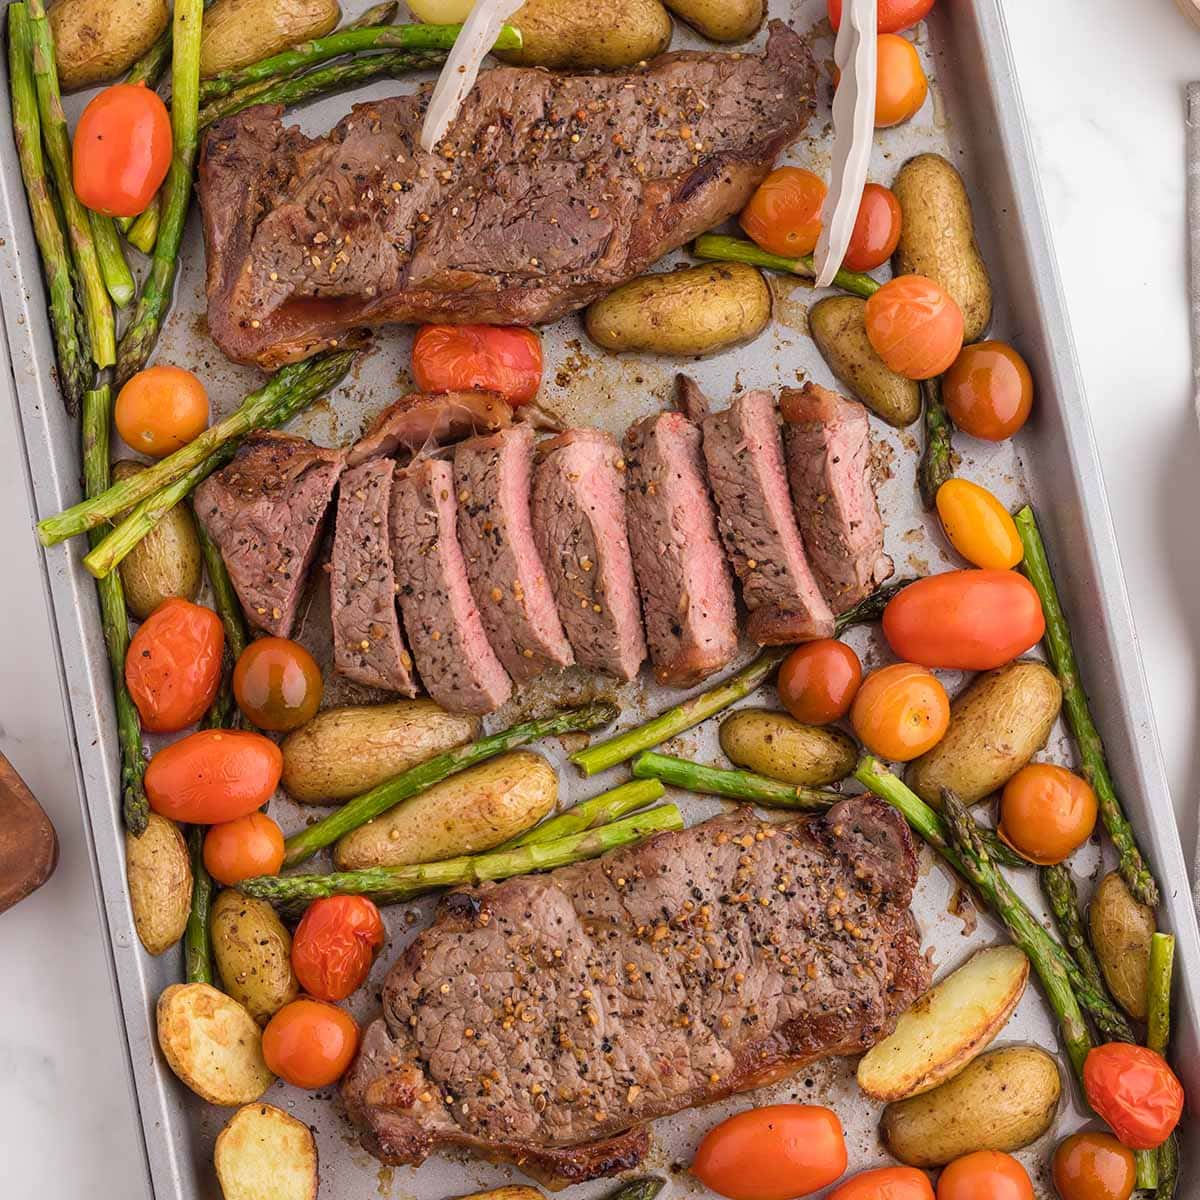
[
  {"x": 265, "y": 511},
  {"x": 828, "y": 442},
  {"x": 544, "y": 1020},
  {"x": 415, "y": 421},
  {"x": 548, "y": 191},
  {"x": 457, "y": 666},
  {"x": 579, "y": 527}
]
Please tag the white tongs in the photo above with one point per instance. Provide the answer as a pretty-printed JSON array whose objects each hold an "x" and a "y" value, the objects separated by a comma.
[{"x": 854, "y": 52}]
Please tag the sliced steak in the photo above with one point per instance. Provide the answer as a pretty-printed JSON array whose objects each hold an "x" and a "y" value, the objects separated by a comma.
[
  {"x": 418, "y": 420},
  {"x": 686, "y": 589},
  {"x": 828, "y": 441},
  {"x": 579, "y": 526},
  {"x": 493, "y": 476},
  {"x": 544, "y": 1020},
  {"x": 457, "y": 665},
  {"x": 265, "y": 511}
]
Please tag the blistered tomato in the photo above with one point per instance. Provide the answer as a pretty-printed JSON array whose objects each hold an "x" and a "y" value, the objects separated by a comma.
[
  {"x": 497, "y": 358},
  {"x": 213, "y": 776},
  {"x": 915, "y": 326},
  {"x": 1135, "y": 1091},
  {"x": 161, "y": 409},
  {"x": 784, "y": 214},
  {"x": 978, "y": 525},
  {"x": 885, "y": 1183},
  {"x": 335, "y": 944},
  {"x": 900, "y": 712},
  {"x": 242, "y": 848},
  {"x": 893, "y": 16}
]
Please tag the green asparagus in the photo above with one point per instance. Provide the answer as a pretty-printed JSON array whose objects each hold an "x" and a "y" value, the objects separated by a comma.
[
  {"x": 587, "y": 814},
  {"x": 727, "y": 249},
  {"x": 224, "y": 711},
  {"x": 118, "y": 279},
  {"x": 143, "y": 229},
  {"x": 937, "y": 464},
  {"x": 197, "y": 938},
  {"x": 639, "y": 1189},
  {"x": 736, "y": 785}
]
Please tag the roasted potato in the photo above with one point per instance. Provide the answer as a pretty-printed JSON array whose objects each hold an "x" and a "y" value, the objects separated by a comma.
[
  {"x": 512, "y": 1191},
  {"x": 838, "y": 327},
  {"x": 695, "y": 311},
  {"x": 996, "y": 726},
  {"x": 1121, "y": 927},
  {"x": 265, "y": 1154},
  {"x": 159, "y": 873},
  {"x": 239, "y": 32},
  {"x": 721, "y": 20},
  {"x": 95, "y": 41},
  {"x": 774, "y": 744},
  {"x": 473, "y": 811},
  {"x": 253, "y": 952},
  {"x": 1004, "y": 1100},
  {"x": 582, "y": 34},
  {"x": 342, "y": 752},
  {"x": 212, "y": 1043},
  {"x": 947, "y": 1027},
  {"x": 937, "y": 237}
]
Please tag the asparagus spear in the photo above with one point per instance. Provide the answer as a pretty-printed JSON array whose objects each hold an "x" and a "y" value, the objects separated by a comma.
[
  {"x": 379, "y": 14},
  {"x": 1158, "y": 1034},
  {"x": 197, "y": 948},
  {"x": 224, "y": 713},
  {"x": 737, "y": 785},
  {"x": 142, "y": 231},
  {"x": 588, "y": 814},
  {"x": 936, "y": 465},
  {"x": 117, "y": 277},
  {"x": 639, "y": 1189},
  {"x": 1133, "y": 867},
  {"x": 727, "y": 249}
]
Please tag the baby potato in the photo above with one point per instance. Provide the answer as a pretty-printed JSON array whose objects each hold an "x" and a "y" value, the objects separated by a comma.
[
  {"x": 239, "y": 32},
  {"x": 253, "y": 952},
  {"x": 265, "y": 1154},
  {"x": 582, "y": 34},
  {"x": 777, "y": 745},
  {"x": 721, "y": 20},
  {"x": 1121, "y": 928},
  {"x": 159, "y": 874},
  {"x": 97, "y": 40}
]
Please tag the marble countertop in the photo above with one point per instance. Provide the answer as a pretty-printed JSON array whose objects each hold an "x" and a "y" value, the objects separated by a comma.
[{"x": 1107, "y": 119}]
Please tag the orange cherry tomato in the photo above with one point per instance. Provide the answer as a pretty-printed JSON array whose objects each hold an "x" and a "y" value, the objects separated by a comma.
[
  {"x": 335, "y": 944},
  {"x": 497, "y": 358},
  {"x": 213, "y": 776},
  {"x": 876, "y": 230},
  {"x": 1134, "y": 1090},
  {"x": 984, "y": 1175},
  {"x": 978, "y": 525},
  {"x": 900, "y": 84},
  {"x": 161, "y": 409},
  {"x": 242, "y": 848},
  {"x": 1093, "y": 1166},
  {"x": 1046, "y": 813},
  {"x": 988, "y": 392},
  {"x": 173, "y": 664},
  {"x": 784, "y": 214},
  {"x": 309, "y": 1043},
  {"x": 277, "y": 684},
  {"x": 965, "y": 620},
  {"x": 900, "y": 712},
  {"x": 893, "y": 17},
  {"x": 818, "y": 680},
  {"x": 122, "y": 149},
  {"x": 915, "y": 326},
  {"x": 776, "y": 1152},
  {"x": 885, "y": 1183}
]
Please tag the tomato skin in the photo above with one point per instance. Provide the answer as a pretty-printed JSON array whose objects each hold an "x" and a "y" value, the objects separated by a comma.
[
  {"x": 213, "y": 776},
  {"x": 1046, "y": 813},
  {"x": 173, "y": 664},
  {"x": 900, "y": 85},
  {"x": 309, "y": 1043},
  {"x": 971, "y": 620},
  {"x": 776, "y": 1152},
  {"x": 1135, "y": 1091},
  {"x": 978, "y": 525},
  {"x": 243, "y": 848},
  {"x": 277, "y": 684},
  {"x": 885, "y": 1183},
  {"x": 984, "y": 1175},
  {"x": 496, "y": 358},
  {"x": 1093, "y": 1166},
  {"x": 335, "y": 944},
  {"x": 988, "y": 392},
  {"x": 161, "y": 409},
  {"x": 818, "y": 681},
  {"x": 876, "y": 230},
  {"x": 900, "y": 712},
  {"x": 784, "y": 214},
  {"x": 915, "y": 326},
  {"x": 893, "y": 17},
  {"x": 122, "y": 149}
]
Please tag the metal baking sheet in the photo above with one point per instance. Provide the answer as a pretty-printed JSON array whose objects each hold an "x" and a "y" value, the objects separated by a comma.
[{"x": 975, "y": 117}]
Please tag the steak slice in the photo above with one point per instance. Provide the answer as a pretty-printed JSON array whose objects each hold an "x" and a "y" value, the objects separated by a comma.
[
  {"x": 828, "y": 441},
  {"x": 457, "y": 666},
  {"x": 549, "y": 190},
  {"x": 367, "y": 643},
  {"x": 415, "y": 421},
  {"x": 493, "y": 476},
  {"x": 687, "y": 593},
  {"x": 265, "y": 511},
  {"x": 544, "y": 1020}
]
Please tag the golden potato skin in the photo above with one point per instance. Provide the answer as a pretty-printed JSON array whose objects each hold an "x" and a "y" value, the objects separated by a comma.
[
  {"x": 777, "y": 745},
  {"x": 95, "y": 41},
  {"x": 1121, "y": 928},
  {"x": 264, "y": 1153},
  {"x": 253, "y": 953},
  {"x": 937, "y": 238},
  {"x": 606, "y": 34},
  {"x": 721, "y": 20},
  {"x": 996, "y": 726},
  {"x": 696, "y": 311},
  {"x": 159, "y": 873},
  {"x": 239, "y": 32},
  {"x": 1004, "y": 1100},
  {"x": 838, "y": 326}
]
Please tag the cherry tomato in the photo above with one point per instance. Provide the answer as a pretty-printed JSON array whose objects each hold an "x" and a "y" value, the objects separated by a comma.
[
  {"x": 978, "y": 525},
  {"x": 1093, "y": 1166},
  {"x": 966, "y": 620},
  {"x": 1046, "y": 813},
  {"x": 173, "y": 664},
  {"x": 213, "y": 776},
  {"x": 122, "y": 149},
  {"x": 277, "y": 684},
  {"x": 900, "y": 84},
  {"x": 776, "y": 1152},
  {"x": 900, "y": 712},
  {"x": 497, "y": 358},
  {"x": 876, "y": 230},
  {"x": 988, "y": 392},
  {"x": 784, "y": 215},
  {"x": 242, "y": 848},
  {"x": 984, "y": 1175},
  {"x": 335, "y": 944},
  {"x": 1135, "y": 1091},
  {"x": 818, "y": 680},
  {"x": 894, "y": 15},
  {"x": 309, "y": 1043},
  {"x": 885, "y": 1183},
  {"x": 161, "y": 409},
  {"x": 915, "y": 326}
]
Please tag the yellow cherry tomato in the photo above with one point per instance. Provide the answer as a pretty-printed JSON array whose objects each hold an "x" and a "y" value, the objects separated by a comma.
[{"x": 978, "y": 525}]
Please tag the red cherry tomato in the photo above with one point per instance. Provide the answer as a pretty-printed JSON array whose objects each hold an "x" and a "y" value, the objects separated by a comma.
[
  {"x": 900, "y": 83},
  {"x": 1093, "y": 1166},
  {"x": 893, "y": 15},
  {"x": 818, "y": 680},
  {"x": 885, "y": 1183},
  {"x": 988, "y": 392},
  {"x": 984, "y": 1175},
  {"x": 495, "y": 358},
  {"x": 784, "y": 214},
  {"x": 277, "y": 684},
  {"x": 309, "y": 1043},
  {"x": 876, "y": 230},
  {"x": 915, "y": 326},
  {"x": 335, "y": 944},
  {"x": 213, "y": 776},
  {"x": 1135, "y": 1091},
  {"x": 242, "y": 848}
]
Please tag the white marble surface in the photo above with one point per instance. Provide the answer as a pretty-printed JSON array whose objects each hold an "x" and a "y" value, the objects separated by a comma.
[{"x": 1103, "y": 85}]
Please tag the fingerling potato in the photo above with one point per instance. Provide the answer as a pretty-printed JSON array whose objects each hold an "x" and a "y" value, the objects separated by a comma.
[
  {"x": 265, "y": 1154},
  {"x": 721, "y": 20},
  {"x": 159, "y": 873},
  {"x": 603, "y": 34},
  {"x": 1121, "y": 928},
  {"x": 238, "y": 32},
  {"x": 775, "y": 744},
  {"x": 253, "y": 952},
  {"x": 97, "y": 40}
]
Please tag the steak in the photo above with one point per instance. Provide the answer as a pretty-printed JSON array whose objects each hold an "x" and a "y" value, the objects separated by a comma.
[
  {"x": 457, "y": 666},
  {"x": 579, "y": 526},
  {"x": 418, "y": 420},
  {"x": 367, "y": 643},
  {"x": 686, "y": 589},
  {"x": 544, "y": 1020},
  {"x": 265, "y": 511},
  {"x": 828, "y": 441},
  {"x": 549, "y": 190},
  {"x": 493, "y": 476}
]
